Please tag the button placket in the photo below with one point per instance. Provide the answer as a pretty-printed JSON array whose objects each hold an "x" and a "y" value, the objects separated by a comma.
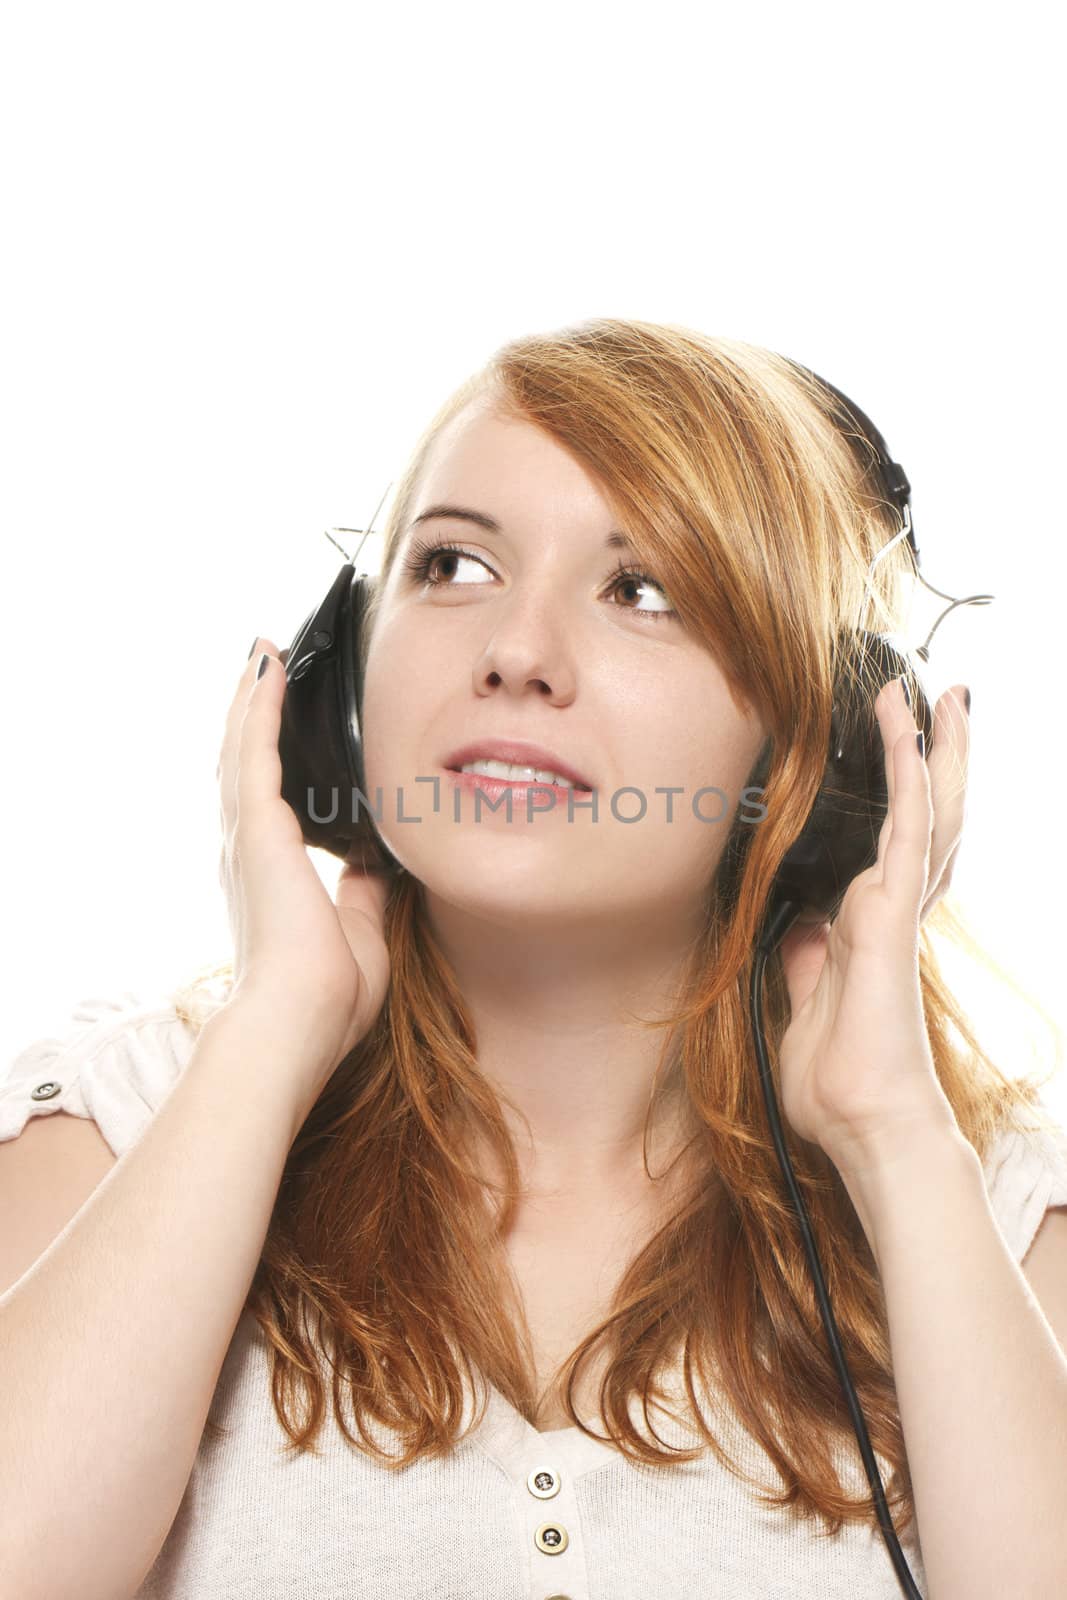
[
  {"x": 557, "y": 1558},
  {"x": 543, "y": 1470},
  {"x": 551, "y": 1537}
]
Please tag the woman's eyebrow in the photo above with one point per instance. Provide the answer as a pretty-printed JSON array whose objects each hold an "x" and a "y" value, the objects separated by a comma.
[{"x": 616, "y": 539}]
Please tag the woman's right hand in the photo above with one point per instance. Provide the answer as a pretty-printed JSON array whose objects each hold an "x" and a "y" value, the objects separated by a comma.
[{"x": 319, "y": 971}]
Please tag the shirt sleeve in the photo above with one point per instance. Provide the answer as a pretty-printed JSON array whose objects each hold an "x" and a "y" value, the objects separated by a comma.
[
  {"x": 113, "y": 1061},
  {"x": 1025, "y": 1174}
]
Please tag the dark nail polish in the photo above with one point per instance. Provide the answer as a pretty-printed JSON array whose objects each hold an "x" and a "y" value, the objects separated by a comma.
[
  {"x": 261, "y": 669},
  {"x": 255, "y": 641},
  {"x": 904, "y": 686},
  {"x": 921, "y": 743},
  {"x": 967, "y": 700}
]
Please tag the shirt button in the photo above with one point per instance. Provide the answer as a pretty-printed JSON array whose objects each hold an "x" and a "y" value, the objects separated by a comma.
[
  {"x": 544, "y": 1483},
  {"x": 551, "y": 1538},
  {"x": 45, "y": 1091}
]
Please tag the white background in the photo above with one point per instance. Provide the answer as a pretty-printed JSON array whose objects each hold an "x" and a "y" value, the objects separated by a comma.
[{"x": 248, "y": 251}]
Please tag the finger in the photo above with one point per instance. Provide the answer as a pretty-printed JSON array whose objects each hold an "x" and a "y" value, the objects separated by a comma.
[
  {"x": 894, "y": 718},
  {"x": 907, "y": 855},
  {"x": 226, "y": 770},
  {"x": 943, "y": 884},
  {"x": 258, "y": 777},
  {"x": 885, "y": 833},
  {"x": 235, "y": 710},
  {"x": 948, "y": 765},
  {"x": 892, "y": 713}
]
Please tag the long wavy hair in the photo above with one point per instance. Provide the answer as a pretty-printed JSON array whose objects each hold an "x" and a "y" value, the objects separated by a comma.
[{"x": 741, "y": 488}]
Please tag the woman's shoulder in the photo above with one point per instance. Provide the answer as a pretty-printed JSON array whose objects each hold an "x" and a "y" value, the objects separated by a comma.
[{"x": 110, "y": 1058}]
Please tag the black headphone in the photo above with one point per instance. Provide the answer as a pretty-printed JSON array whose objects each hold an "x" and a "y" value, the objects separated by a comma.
[{"x": 320, "y": 745}]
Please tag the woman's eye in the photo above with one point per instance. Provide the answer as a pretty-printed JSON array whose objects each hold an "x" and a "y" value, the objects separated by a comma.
[
  {"x": 634, "y": 578},
  {"x": 420, "y": 563},
  {"x": 420, "y": 566}
]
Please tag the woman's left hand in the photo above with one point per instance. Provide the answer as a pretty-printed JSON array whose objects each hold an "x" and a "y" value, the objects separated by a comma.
[{"x": 855, "y": 1063}]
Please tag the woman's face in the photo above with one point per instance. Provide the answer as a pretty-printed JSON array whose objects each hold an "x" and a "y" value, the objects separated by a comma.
[{"x": 530, "y": 636}]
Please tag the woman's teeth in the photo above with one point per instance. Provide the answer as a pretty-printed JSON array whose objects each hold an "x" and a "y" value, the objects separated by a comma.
[{"x": 504, "y": 769}]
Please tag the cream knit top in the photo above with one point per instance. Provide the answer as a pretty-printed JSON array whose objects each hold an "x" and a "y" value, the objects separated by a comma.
[{"x": 512, "y": 1514}]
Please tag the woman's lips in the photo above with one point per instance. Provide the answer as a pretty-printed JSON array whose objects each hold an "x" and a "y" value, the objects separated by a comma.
[{"x": 541, "y": 794}]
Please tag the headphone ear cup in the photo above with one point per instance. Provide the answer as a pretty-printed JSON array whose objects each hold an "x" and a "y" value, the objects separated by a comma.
[
  {"x": 840, "y": 837},
  {"x": 320, "y": 738}
]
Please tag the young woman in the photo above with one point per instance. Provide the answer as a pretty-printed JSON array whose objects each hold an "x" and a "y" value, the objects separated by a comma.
[{"x": 443, "y": 1249}]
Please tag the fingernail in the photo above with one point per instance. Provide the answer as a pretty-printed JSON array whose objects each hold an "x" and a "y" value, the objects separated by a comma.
[
  {"x": 921, "y": 743},
  {"x": 261, "y": 669},
  {"x": 255, "y": 641},
  {"x": 904, "y": 686}
]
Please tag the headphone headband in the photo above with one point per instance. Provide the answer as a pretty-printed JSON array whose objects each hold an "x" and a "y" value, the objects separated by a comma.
[{"x": 892, "y": 473}]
